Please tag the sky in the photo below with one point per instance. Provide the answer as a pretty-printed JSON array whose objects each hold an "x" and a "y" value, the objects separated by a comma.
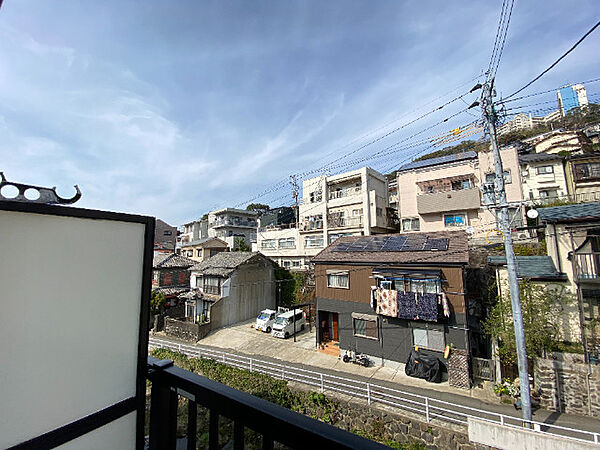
[{"x": 173, "y": 109}]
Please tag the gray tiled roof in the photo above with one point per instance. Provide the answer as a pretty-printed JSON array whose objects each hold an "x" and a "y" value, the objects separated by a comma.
[
  {"x": 534, "y": 267},
  {"x": 222, "y": 264},
  {"x": 168, "y": 260},
  {"x": 171, "y": 290},
  {"x": 567, "y": 213},
  {"x": 539, "y": 157},
  {"x": 437, "y": 161},
  {"x": 457, "y": 253}
]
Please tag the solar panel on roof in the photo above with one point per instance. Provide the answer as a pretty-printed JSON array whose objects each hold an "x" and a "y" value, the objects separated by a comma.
[
  {"x": 436, "y": 244},
  {"x": 396, "y": 243}
]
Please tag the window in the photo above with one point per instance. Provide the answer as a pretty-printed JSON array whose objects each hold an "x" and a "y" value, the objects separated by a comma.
[
  {"x": 357, "y": 212},
  {"x": 491, "y": 177},
  {"x": 268, "y": 243},
  {"x": 190, "y": 253},
  {"x": 587, "y": 171},
  {"x": 365, "y": 326},
  {"x": 379, "y": 212},
  {"x": 167, "y": 233},
  {"x": 333, "y": 237},
  {"x": 313, "y": 241},
  {"x": 425, "y": 285},
  {"x": 542, "y": 170},
  {"x": 168, "y": 279},
  {"x": 411, "y": 224},
  {"x": 431, "y": 339},
  {"x": 181, "y": 278},
  {"x": 549, "y": 193},
  {"x": 287, "y": 243},
  {"x": 287, "y": 264},
  {"x": 295, "y": 263},
  {"x": 316, "y": 196},
  {"x": 337, "y": 279},
  {"x": 211, "y": 285},
  {"x": 455, "y": 220},
  {"x": 199, "y": 252},
  {"x": 461, "y": 184}
]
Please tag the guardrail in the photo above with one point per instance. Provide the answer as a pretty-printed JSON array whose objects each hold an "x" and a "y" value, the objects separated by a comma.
[{"x": 427, "y": 407}]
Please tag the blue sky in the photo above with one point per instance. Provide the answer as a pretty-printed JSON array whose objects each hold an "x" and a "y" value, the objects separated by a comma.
[{"x": 172, "y": 109}]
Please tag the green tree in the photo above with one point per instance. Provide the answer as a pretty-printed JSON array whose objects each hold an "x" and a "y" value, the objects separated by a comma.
[
  {"x": 260, "y": 208},
  {"x": 540, "y": 306},
  {"x": 157, "y": 301},
  {"x": 239, "y": 245}
]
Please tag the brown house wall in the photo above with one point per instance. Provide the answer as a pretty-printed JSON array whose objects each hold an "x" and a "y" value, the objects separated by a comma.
[{"x": 360, "y": 284}]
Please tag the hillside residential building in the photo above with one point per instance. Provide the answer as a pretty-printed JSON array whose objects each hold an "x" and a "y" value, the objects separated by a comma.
[
  {"x": 349, "y": 204},
  {"x": 170, "y": 275},
  {"x": 203, "y": 248},
  {"x": 383, "y": 295},
  {"x": 165, "y": 237},
  {"x": 230, "y": 287},
  {"x": 543, "y": 177},
  {"x": 275, "y": 217},
  {"x": 581, "y": 169},
  {"x": 524, "y": 121},
  {"x": 453, "y": 192},
  {"x": 231, "y": 223},
  {"x": 573, "y": 241}
]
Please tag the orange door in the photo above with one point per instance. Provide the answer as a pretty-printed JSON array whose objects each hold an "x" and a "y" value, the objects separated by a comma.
[{"x": 334, "y": 320}]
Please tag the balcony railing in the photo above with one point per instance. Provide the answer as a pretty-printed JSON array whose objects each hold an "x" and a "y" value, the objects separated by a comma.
[
  {"x": 233, "y": 223},
  {"x": 447, "y": 201},
  {"x": 344, "y": 193},
  {"x": 335, "y": 221},
  {"x": 588, "y": 266},
  {"x": 272, "y": 422},
  {"x": 310, "y": 225}
]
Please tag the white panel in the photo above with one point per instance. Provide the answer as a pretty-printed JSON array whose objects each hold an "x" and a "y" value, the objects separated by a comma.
[
  {"x": 119, "y": 434},
  {"x": 70, "y": 300}
]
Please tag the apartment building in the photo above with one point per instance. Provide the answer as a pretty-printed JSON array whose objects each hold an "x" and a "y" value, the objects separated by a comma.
[
  {"x": 231, "y": 223},
  {"x": 543, "y": 177},
  {"x": 349, "y": 204},
  {"x": 455, "y": 191}
]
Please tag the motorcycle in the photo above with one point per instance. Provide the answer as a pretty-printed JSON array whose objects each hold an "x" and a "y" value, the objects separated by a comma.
[{"x": 356, "y": 358}]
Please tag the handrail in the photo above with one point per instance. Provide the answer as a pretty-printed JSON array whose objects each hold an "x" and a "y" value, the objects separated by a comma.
[{"x": 369, "y": 390}]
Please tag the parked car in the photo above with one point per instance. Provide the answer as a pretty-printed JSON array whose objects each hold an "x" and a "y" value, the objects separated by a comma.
[
  {"x": 284, "y": 323},
  {"x": 265, "y": 320}
]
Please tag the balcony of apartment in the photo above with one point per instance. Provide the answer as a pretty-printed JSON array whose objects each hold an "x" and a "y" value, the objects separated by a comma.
[
  {"x": 338, "y": 221},
  {"x": 455, "y": 197},
  {"x": 313, "y": 223},
  {"x": 177, "y": 393},
  {"x": 233, "y": 223},
  {"x": 588, "y": 267}
]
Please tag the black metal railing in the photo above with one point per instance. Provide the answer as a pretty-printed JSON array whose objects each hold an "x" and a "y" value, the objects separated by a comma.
[{"x": 274, "y": 423}]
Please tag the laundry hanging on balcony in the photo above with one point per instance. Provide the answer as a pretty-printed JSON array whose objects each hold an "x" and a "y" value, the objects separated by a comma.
[
  {"x": 387, "y": 302},
  {"x": 409, "y": 305}
]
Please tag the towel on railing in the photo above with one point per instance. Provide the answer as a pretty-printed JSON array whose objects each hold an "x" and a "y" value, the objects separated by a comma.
[
  {"x": 445, "y": 305},
  {"x": 407, "y": 308},
  {"x": 387, "y": 302},
  {"x": 427, "y": 307}
]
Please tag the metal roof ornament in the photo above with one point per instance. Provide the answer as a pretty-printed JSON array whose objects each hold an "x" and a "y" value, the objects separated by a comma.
[{"x": 38, "y": 194}]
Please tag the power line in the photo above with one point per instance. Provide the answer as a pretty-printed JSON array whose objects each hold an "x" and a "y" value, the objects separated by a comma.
[
  {"x": 557, "y": 61},
  {"x": 594, "y": 80}
]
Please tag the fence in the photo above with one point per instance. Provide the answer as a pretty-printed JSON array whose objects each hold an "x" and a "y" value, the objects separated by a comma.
[{"x": 426, "y": 407}]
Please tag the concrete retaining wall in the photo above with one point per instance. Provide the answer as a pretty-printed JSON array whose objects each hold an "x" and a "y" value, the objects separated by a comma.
[
  {"x": 187, "y": 331},
  {"x": 501, "y": 436}
]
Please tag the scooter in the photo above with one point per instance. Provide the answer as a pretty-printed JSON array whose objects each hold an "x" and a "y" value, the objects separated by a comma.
[{"x": 356, "y": 358}]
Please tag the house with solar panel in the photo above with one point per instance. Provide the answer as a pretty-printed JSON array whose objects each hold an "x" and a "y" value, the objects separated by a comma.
[
  {"x": 384, "y": 295},
  {"x": 454, "y": 191}
]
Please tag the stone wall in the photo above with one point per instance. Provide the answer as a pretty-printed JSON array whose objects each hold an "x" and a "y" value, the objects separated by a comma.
[
  {"x": 388, "y": 425},
  {"x": 187, "y": 331},
  {"x": 563, "y": 384}
]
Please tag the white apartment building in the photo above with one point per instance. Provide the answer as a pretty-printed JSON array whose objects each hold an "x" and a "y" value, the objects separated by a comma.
[
  {"x": 524, "y": 121},
  {"x": 231, "y": 223},
  {"x": 349, "y": 204}
]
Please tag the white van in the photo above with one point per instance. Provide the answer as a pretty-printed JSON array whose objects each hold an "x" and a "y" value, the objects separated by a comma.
[
  {"x": 265, "y": 320},
  {"x": 284, "y": 323}
]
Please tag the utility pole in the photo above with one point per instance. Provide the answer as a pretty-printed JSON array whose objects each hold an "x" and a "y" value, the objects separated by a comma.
[
  {"x": 511, "y": 263},
  {"x": 295, "y": 194}
]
